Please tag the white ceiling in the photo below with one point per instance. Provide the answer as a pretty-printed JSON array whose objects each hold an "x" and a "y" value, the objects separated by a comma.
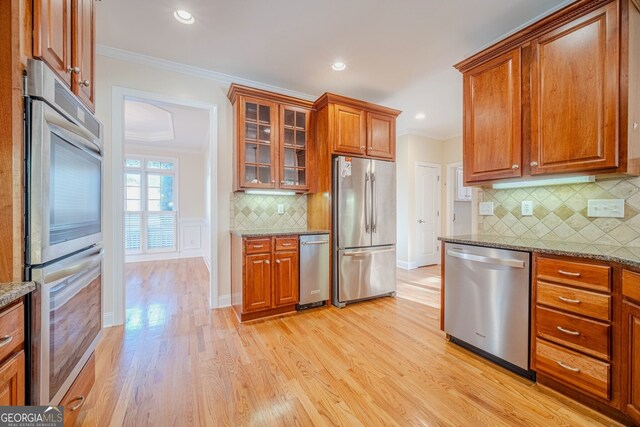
[
  {"x": 165, "y": 126},
  {"x": 398, "y": 53}
]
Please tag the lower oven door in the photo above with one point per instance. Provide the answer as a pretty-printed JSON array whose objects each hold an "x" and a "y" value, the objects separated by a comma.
[{"x": 66, "y": 323}]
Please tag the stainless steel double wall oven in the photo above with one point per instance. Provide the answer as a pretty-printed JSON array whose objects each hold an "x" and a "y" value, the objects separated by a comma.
[{"x": 63, "y": 244}]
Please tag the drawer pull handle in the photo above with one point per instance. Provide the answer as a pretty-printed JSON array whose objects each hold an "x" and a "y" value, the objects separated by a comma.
[
  {"x": 567, "y": 367},
  {"x": 286, "y": 244},
  {"x": 77, "y": 406},
  {"x": 569, "y": 300},
  {"x": 258, "y": 246},
  {"x": 568, "y": 332},
  {"x": 6, "y": 340},
  {"x": 568, "y": 273}
]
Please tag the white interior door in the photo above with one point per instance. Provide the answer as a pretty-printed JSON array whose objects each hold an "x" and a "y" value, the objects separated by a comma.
[{"x": 427, "y": 214}]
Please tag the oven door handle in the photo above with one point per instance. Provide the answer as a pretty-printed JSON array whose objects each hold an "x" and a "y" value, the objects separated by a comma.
[
  {"x": 84, "y": 136},
  {"x": 70, "y": 270}
]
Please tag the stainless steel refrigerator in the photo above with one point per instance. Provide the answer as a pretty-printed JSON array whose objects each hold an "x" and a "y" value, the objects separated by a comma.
[{"x": 364, "y": 194}]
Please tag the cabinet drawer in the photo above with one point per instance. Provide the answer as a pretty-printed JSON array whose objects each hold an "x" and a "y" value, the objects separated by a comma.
[
  {"x": 581, "y": 334},
  {"x": 286, "y": 243},
  {"x": 587, "y": 303},
  {"x": 631, "y": 285},
  {"x": 590, "y": 276},
  {"x": 582, "y": 372},
  {"x": 11, "y": 329},
  {"x": 77, "y": 394},
  {"x": 258, "y": 246}
]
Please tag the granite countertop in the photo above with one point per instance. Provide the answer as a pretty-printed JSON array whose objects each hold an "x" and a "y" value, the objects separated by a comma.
[
  {"x": 623, "y": 254},
  {"x": 9, "y": 292},
  {"x": 277, "y": 232}
]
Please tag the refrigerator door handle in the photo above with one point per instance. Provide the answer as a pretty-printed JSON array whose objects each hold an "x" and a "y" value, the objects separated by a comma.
[
  {"x": 374, "y": 219},
  {"x": 367, "y": 226},
  {"x": 352, "y": 254}
]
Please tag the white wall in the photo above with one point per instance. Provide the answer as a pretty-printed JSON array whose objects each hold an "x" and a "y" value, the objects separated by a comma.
[{"x": 113, "y": 72}]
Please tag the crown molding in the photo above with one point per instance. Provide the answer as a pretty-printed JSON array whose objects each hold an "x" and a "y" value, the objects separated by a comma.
[{"x": 203, "y": 73}]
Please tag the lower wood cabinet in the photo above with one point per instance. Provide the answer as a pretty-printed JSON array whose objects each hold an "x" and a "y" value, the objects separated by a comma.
[
  {"x": 631, "y": 345},
  {"x": 12, "y": 381},
  {"x": 12, "y": 358},
  {"x": 77, "y": 394},
  {"x": 264, "y": 276}
]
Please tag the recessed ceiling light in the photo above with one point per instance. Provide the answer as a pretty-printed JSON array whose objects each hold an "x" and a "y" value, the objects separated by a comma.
[
  {"x": 183, "y": 16},
  {"x": 339, "y": 66},
  {"x": 420, "y": 116}
]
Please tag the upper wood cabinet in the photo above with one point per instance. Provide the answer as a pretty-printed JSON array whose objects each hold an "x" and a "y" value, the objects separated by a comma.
[
  {"x": 557, "y": 97},
  {"x": 492, "y": 135},
  {"x": 352, "y": 127},
  {"x": 64, "y": 37},
  {"x": 272, "y": 135}
]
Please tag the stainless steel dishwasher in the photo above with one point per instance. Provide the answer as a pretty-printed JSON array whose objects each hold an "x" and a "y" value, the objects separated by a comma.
[
  {"x": 487, "y": 303},
  {"x": 314, "y": 270}
]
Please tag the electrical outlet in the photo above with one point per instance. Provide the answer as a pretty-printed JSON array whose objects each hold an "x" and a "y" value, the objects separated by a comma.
[
  {"x": 280, "y": 209},
  {"x": 527, "y": 208},
  {"x": 607, "y": 208},
  {"x": 485, "y": 208}
]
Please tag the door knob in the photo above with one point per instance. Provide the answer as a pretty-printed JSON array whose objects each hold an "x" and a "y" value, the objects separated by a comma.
[
  {"x": 74, "y": 70},
  {"x": 515, "y": 167},
  {"x": 85, "y": 83},
  {"x": 534, "y": 164}
]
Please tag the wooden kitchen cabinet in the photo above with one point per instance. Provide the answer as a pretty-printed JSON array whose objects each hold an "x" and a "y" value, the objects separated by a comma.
[
  {"x": 492, "y": 137},
  {"x": 631, "y": 350},
  {"x": 264, "y": 276},
  {"x": 574, "y": 86},
  {"x": 352, "y": 127},
  {"x": 12, "y": 392},
  {"x": 78, "y": 392},
  {"x": 272, "y": 135},
  {"x": 12, "y": 356},
  {"x": 557, "y": 97},
  {"x": 64, "y": 37}
]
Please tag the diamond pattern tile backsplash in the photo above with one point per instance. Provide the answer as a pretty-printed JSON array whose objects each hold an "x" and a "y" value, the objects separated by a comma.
[
  {"x": 255, "y": 211},
  {"x": 560, "y": 213}
]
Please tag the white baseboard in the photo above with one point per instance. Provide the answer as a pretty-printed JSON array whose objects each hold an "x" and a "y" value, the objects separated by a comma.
[
  {"x": 224, "y": 301},
  {"x": 406, "y": 265},
  {"x": 191, "y": 253},
  {"x": 107, "y": 320},
  {"x": 162, "y": 256}
]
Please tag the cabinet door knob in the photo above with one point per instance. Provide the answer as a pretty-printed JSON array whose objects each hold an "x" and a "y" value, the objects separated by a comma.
[
  {"x": 362, "y": 147},
  {"x": 85, "y": 83},
  {"x": 74, "y": 70},
  {"x": 267, "y": 262},
  {"x": 515, "y": 167},
  {"x": 534, "y": 164},
  {"x": 277, "y": 261}
]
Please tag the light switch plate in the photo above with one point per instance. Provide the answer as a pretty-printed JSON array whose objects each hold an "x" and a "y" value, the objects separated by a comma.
[
  {"x": 280, "y": 209},
  {"x": 527, "y": 208},
  {"x": 486, "y": 208},
  {"x": 606, "y": 208}
]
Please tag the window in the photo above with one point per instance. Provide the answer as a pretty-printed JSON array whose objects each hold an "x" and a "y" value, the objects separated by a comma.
[{"x": 150, "y": 204}]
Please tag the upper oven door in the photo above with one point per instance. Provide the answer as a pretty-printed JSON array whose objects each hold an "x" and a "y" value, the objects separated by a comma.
[{"x": 64, "y": 186}]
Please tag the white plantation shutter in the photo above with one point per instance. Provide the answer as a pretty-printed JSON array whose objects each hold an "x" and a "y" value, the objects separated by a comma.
[
  {"x": 161, "y": 230},
  {"x": 132, "y": 232}
]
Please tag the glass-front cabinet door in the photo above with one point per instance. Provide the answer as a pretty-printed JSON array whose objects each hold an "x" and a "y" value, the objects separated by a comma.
[
  {"x": 294, "y": 128},
  {"x": 258, "y": 136}
]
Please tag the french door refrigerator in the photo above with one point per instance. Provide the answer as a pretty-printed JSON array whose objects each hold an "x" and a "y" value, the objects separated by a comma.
[{"x": 364, "y": 192}]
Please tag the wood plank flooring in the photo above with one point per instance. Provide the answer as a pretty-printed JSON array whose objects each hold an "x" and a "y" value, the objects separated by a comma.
[{"x": 382, "y": 362}]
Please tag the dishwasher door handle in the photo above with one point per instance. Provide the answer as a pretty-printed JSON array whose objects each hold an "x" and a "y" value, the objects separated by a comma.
[
  {"x": 318, "y": 242},
  {"x": 514, "y": 263}
]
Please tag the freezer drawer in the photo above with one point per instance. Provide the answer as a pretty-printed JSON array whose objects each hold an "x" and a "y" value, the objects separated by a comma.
[
  {"x": 314, "y": 269},
  {"x": 486, "y": 300},
  {"x": 366, "y": 273}
]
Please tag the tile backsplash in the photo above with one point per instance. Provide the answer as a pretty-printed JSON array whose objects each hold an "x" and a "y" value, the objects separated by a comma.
[
  {"x": 560, "y": 213},
  {"x": 256, "y": 211}
]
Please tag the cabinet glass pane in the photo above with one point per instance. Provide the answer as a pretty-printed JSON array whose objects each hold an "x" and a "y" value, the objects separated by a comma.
[
  {"x": 265, "y": 114},
  {"x": 300, "y": 156},
  {"x": 301, "y": 138},
  {"x": 265, "y": 133},
  {"x": 251, "y": 111},
  {"x": 302, "y": 177},
  {"x": 250, "y": 153},
  {"x": 288, "y": 137},
  {"x": 289, "y": 176},
  {"x": 251, "y": 174},
  {"x": 251, "y": 131},
  {"x": 289, "y": 117},
  {"x": 300, "y": 120},
  {"x": 265, "y": 154},
  {"x": 289, "y": 157},
  {"x": 265, "y": 174}
]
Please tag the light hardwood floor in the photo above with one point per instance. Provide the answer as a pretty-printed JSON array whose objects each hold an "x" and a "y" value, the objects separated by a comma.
[{"x": 382, "y": 362}]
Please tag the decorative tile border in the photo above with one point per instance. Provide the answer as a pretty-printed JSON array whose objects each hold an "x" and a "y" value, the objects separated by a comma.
[
  {"x": 253, "y": 211},
  {"x": 560, "y": 213}
]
